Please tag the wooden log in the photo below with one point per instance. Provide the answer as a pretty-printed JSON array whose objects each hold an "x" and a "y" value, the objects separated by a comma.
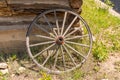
[
  {"x": 12, "y": 40},
  {"x": 15, "y": 22},
  {"x": 16, "y": 19},
  {"x": 75, "y": 4},
  {"x": 3, "y": 4},
  {"x": 38, "y": 4},
  {"x": 23, "y": 21}
]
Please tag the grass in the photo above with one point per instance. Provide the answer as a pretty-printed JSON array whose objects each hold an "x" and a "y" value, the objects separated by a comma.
[
  {"x": 3, "y": 76},
  {"x": 45, "y": 76},
  {"x": 105, "y": 29}
]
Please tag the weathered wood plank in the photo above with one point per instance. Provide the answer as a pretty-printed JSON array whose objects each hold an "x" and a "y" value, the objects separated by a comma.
[
  {"x": 38, "y": 4},
  {"x": 13, "y": 27},
  {"x": 15, "y": 22},
  {"x": 22, "y": 22},
  {"x": 29, "y": 2},
  {"x": 76, "y": 3},
  {"x": 2, "y": 4},
  {"x": 16, "y": 19},
  {"x": 12, "y": 40}
]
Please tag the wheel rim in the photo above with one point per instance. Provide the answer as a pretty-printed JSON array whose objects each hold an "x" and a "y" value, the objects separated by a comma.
[{"x": 59, "y": 41}]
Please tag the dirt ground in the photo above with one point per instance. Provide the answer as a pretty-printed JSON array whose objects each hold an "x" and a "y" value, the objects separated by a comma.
[{"x": 107, "y": 70}]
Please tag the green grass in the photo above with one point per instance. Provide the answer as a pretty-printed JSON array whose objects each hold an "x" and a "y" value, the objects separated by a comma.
[
  {"x": 105, "y": 28},
  {"x": 45, "y": 76},
  {"x": 3, "y": 76}
]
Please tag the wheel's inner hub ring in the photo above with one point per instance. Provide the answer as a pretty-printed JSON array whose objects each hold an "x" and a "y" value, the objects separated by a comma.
[{"x": 60, "y": 40}]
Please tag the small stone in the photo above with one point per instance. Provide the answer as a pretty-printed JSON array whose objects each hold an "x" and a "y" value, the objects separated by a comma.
[
  {"x": 4, "y": 71},
  {"x": 3, "y": 66},
  {"x": 94, "y": 39},
  {"x": 21, "y": 69},
  {"x": 12, "y": 75}
]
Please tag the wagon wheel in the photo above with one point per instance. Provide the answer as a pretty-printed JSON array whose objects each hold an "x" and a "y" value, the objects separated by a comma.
[{"x": 59, "y": 40}]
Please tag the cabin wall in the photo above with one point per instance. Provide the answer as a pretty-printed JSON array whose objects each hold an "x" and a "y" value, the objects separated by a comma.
[
  {"x": 14, "y": 24},
  {"x": 12, "y": 40}
]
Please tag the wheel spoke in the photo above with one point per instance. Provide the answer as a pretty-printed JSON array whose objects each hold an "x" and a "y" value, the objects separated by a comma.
[
  {"x": 43, "y": 43},
  {"x": 48, "y": 23},
  {"x": 63, "y": 25},
  {"x": 69, "y": 55},
  {"x": 56, "y": 57},
  {"x": 41, "y": 36},
  {"x": 47, "y": 59},
  {"x": 44, "y": 30},
  {"x": 63, "y": 57},
  {"x": 55, "y": 32},
  {"x": 57, "y": 24},
  {"x": 76, "y": 37},
  {"x": 84, "y": 45},
  {"x": 73, "y": 31},
  {"x": 75, "y": 50},
  {"x": 70, "y": 26},
  {"x": 41, "y": 28},
  {"x": 44, "y": 50}
]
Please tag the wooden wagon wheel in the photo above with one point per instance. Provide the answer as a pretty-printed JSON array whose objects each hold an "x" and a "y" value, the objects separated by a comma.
[{"x": 59, "y": 40}]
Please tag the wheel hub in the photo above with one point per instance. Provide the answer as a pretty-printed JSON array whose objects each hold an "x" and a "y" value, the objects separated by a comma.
[{"x": 60, "y": 40}]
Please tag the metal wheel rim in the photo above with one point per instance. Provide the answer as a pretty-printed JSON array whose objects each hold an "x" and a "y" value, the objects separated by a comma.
[{"x": 57, "y": 71}]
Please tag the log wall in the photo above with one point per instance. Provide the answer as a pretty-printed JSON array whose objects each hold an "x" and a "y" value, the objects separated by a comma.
[{"x": 18, "y": 14}]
